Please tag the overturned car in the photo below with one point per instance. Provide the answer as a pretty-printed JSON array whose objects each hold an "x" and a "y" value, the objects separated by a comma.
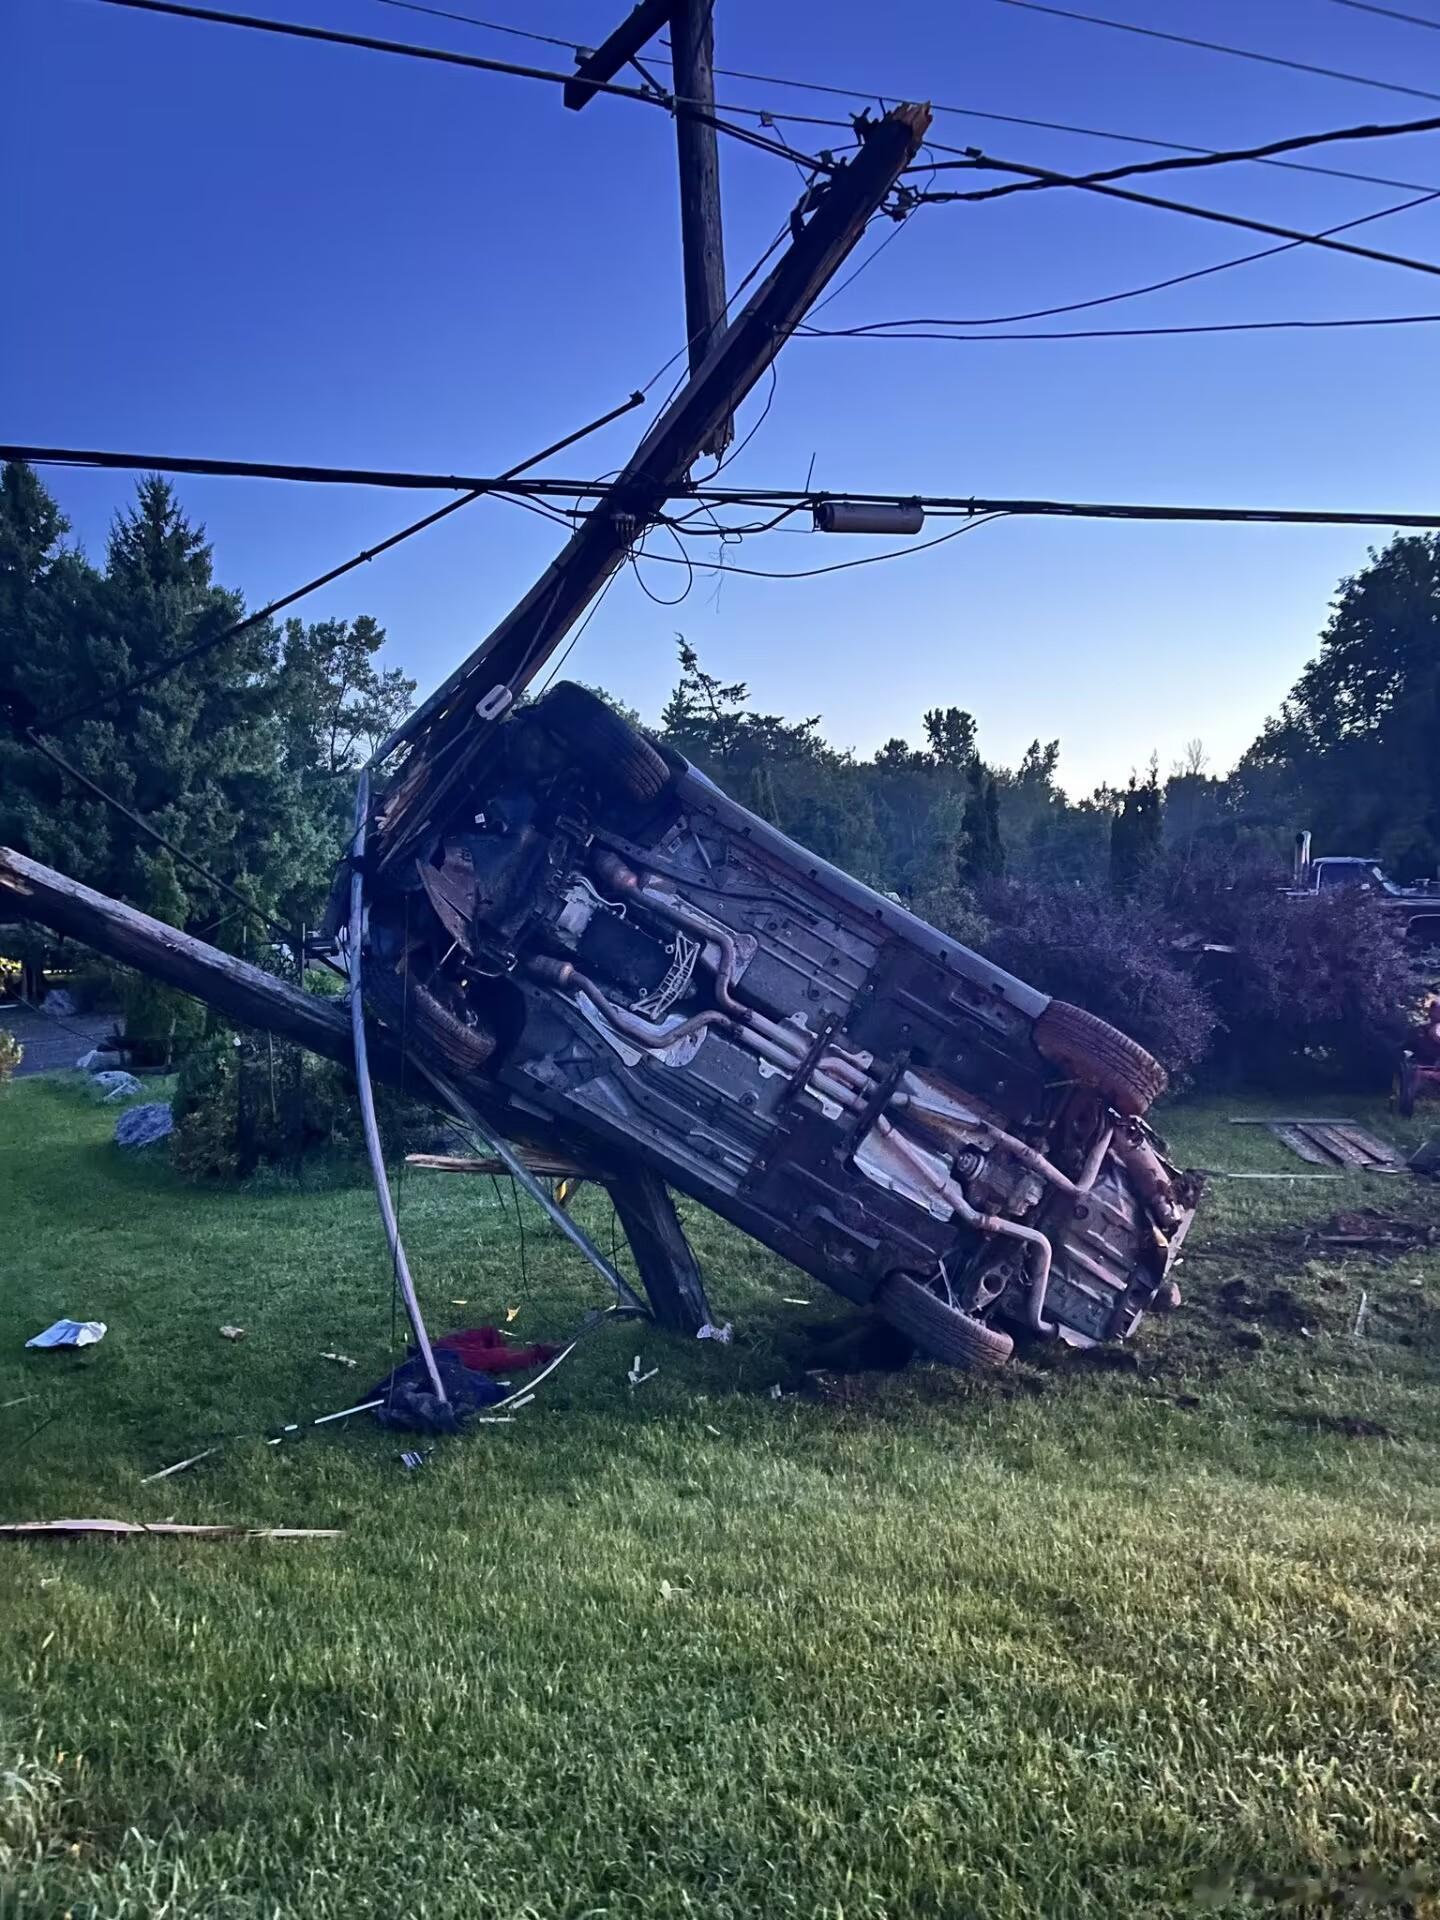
[{"x": 634, "y": 965}]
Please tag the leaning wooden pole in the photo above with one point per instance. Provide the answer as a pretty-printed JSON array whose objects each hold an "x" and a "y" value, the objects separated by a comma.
[
  {"x": 247, "y": 994},
  {"x": 450, "y": 728}
]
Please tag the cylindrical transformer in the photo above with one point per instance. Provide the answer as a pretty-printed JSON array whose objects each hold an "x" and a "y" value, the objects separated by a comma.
[{"x": 849, "y": 516}]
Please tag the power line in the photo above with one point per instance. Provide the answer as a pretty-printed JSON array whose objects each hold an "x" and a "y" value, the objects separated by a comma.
[
  {"x": 1216, "y": 46},
  {"x": 1390, "y": 13},
  {"x": 1196, "y": 213},
  {"x": 368, "y": 43},
  {"x": 838, "y": 566},
  {"x": 1294, "y": 144},
  {"x": 895, "y": 331},
  {"x": 236, "y": 627},
  {"x": 883, "y": 95},
  {"x": 577, "y": 48},
  {"x": 794, "y": 498},
  {"x": 1152, "y": 286},
  {"x": 32, "y": 739}
]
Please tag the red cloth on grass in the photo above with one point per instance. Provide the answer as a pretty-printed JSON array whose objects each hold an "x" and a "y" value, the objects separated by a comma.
[{"x": 485, "y": 1350}]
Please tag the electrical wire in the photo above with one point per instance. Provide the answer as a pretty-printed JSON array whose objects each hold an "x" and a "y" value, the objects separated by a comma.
[
  {"x": 1225, "y": 157},
  {"x": 1211, "y": 214},
  {"x": 31, "y": 738},
  {"x": 207, "y": 643},
  {"x": 1134, "y": 293},
  {"x": 1215, "y": 46},
  {"x": 1389, "y": 13},
  {"x": 1130, "y": 333},
  {"x": 699, "y": 109},
  {"x": 764, "y": 114},
  {"x": 574, "y": 639},
  {"x": 638, "y": 552},
  {"x": 882, "y": 95},
  {"x": 843, "y": 566}
]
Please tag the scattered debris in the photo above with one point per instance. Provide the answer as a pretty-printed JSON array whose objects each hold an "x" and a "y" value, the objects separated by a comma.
[
  {"x": 1332, "y": 1143},
  {"x": 115, "y": 1085},
  {"x": 232, "y": 1333},
  {"x": 511, "y": 1313},
  {"x": 777, "y": 1392},
  {"x": 410, "y": 1461},
  {"x": 143, "y": 1126},
  {"x": 723, "y": 1334},
  {"x": 636, "y": 1377},
  {"x": 667, "y": 1592},
  {"x": 20, "y": 1402},
  {"x": 1359, "y": 1327},
  {"x": 340, "y": 1359},
  {"x": 179, "y": 1466},
  {"x": 715, "y": 1430},
  {"x": 70, "y": 1333},
  {"x": 1425, "y": 1161},
  {"x": 1367, "y": 1231},
  {"x": 295, "y": 1426},
  {"x": 1281, "y": 1308},
  {"x": 791, "y": 1301},
  {"x": 100, "y": 1059},
  {"x": 125, "y": 1529}
]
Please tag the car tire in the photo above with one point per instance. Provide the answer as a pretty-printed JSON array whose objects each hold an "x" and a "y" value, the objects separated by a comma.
[
  {"x": 938, "y": 1329},
  {"x": 604, "y": 742},
  {"x": 426, "y": 1023},
  {"x": 1099, "y": 1056}
]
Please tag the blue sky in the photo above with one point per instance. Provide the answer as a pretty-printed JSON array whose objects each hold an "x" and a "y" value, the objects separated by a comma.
[{"x": 225, "y": 244}]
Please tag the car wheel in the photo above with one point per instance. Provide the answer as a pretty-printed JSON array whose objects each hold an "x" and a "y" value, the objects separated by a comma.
[
  {"x": 1099, "y": 1056},
  {"x": 938, "y": 1329},
  {"x": 412, "y": 1011},
  {"x": 604, "y": 742}
]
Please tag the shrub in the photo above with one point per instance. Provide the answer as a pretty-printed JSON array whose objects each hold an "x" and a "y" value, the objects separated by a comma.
[
  {"x": 1315, "y": 989},
  {"x": 11, "y": 1054},
  {"x": 1112, "y": 957},
  {"x": 243, "y": 1101}
]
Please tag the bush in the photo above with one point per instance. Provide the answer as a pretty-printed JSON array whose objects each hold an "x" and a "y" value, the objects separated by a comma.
[
  {"x": 1315, "y": 990},
  {"x": 11, "y": 1054},
  {"x": 1112, "y": 957},
  {"x": 243, "y": 1101}
]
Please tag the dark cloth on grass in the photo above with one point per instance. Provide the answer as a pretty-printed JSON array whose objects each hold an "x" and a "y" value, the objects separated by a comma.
[{"x": 410, "y": 1405}]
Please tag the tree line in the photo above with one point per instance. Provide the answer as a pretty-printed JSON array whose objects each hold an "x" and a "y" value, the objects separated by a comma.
[{"x": 246, "y": 757}]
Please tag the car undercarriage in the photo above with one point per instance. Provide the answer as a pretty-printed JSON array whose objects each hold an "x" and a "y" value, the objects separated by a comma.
[{"x": 630, "y": 965}]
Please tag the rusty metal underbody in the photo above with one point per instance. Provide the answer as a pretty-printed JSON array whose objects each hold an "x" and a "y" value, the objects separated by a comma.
[{"x": 632, "y": 969}]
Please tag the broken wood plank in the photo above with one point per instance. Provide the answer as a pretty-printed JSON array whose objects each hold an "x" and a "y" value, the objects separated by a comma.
[
  {"x": 1300, "y": 1142},
  {"x": 125, "y": 1529},
  {"x": 544, "y": 1166}
]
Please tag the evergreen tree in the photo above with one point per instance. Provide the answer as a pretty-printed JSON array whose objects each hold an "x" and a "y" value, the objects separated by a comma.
[
  {"x": 981, "y": 855},
  {"x": 1136, "y": 834}
]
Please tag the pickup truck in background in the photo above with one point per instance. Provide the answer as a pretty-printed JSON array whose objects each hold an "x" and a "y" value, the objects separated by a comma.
[{"x": 1418, "y": 904}]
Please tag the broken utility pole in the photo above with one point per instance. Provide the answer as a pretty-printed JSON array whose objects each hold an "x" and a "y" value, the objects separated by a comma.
[
  {"x": 447, "y": 730},
  {"x": 692, "y": 55}
]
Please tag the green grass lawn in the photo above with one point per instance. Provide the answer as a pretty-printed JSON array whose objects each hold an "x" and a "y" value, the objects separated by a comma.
[{"x": 1068, "y": 1640}]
